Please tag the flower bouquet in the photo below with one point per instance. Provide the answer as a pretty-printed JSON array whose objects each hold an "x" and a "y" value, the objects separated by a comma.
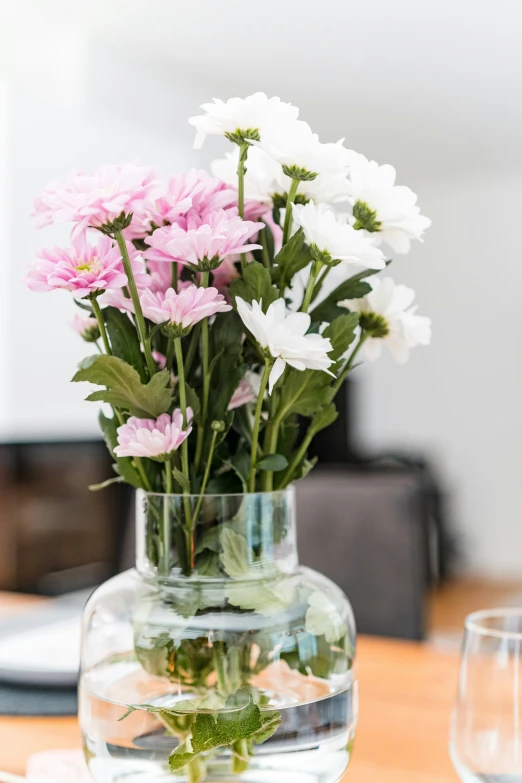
[{"x": 225, "y": 311}]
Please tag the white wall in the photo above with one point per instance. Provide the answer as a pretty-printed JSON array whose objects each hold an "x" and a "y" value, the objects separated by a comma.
[
  {"x": 79, "y": 117},
  {"x": 461, "y": 398}
]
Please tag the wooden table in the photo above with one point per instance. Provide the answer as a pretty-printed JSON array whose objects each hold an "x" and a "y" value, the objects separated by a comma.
[{"x": 406, "y": 695}]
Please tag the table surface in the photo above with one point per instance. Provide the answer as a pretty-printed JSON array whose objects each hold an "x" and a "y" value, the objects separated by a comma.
[{"x": 406, "y": 694}]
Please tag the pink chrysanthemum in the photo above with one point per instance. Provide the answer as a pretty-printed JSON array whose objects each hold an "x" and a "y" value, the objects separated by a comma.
[
  {"x": 83, "y": 269},
  {"x": 242, "y": 395},
  {"x": 86, "y": 326},
  {"x": 204, "y": 244},
  {"x": 185, "y": 309},
  {"x": 97, "y": 197},
  {"x": 152, "y": 438},
  {"x": 185, "y": 198}
]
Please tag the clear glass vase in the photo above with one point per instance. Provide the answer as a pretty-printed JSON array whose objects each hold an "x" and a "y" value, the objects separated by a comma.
[{"x": 218, "y": 658}]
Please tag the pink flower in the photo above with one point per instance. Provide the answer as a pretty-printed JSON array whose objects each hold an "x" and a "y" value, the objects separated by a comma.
[
  {"x": 160, "y": 359},
  {"x": 83, "y": 269},
  {"x": 185, "y": 309},
  {"x": 97, "y": 197},
  {"x": 245, "y": 392},
  {"x": 161, "y": 275},
  {"x": 203, "y": 245},
  {"x": 86, "y": 326},
  {"x": 153, "y": 438},
  {"x": 187, "y": 197}
]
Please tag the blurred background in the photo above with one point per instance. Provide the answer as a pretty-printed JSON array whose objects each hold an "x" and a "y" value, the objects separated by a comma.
[{"x": 425, "y": 462}]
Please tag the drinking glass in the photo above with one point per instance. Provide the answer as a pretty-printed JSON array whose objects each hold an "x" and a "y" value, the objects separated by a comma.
[{"x": 486, "y": 728}]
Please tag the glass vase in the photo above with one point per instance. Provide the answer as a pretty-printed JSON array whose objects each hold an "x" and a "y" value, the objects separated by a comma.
[{"x": 219, "y": 657}]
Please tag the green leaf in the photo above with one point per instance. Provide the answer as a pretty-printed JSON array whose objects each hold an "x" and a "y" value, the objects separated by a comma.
[
  {"x": 221, "y": 729},
  {"x": 124, "y": 340},
  {"x": 341, "y": 333},
  {"x": 229, "y": 727},
  {"x": 207, "y": 564},
  {"x": 270, "y": 725},
  {"x": 182, "y": 480},
  {"x": 266, "y": 597},
  {"x": 106, "y": 483},
  {"x": 304, "y": 392},
  {"x": 306, "y": 467},
  {"x": 269, "y": 240},
  {"x": 192, "y": 400},
  {"x": 256, "y": 283},
  {"x": 123, "y": 465},
  {"x": 235, "y": 555},
  {"x": 353, "y": 288},
  {"x": 323, "y": 418},
  {"x": 272, "y": 462},
  {"x": 125, "y": 389},
  {"x": 292, "y": 257},
  {"x": 180, "y": 757},
  {"x": 83, "y": 306}
]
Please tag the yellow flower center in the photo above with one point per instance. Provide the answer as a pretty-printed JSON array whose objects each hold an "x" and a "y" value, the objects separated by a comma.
[{"x": 94, "y": 266}]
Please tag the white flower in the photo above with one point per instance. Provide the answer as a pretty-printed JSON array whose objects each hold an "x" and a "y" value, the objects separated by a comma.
[
  {"x": 283, "y": 334},
  {"x": 244, "y": 118},
  {"x": 388, "y": 311},
  {"x": 295, "y": 147},
  {"x": 335, "y": 237},
  {"x": 323, "y": 619},
  {"x": 265, "y": 179},
  {"x": 396, "y": 219}
]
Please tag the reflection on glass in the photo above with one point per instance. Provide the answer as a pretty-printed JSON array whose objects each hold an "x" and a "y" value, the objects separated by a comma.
[{"x": 486, "y": 730}]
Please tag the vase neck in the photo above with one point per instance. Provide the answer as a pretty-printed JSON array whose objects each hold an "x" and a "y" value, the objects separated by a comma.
[{"x": 209, "y": 537}]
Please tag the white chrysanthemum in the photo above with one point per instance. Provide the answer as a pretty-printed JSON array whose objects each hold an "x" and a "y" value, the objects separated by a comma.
[
  {"x": 390, "y": 211},
  {"x": 335, "y": 237},
  {"x": 294, "y": 146},
  {"x": 244, "y": 118},
  {"x": 388, "y": 311},
  {"x": 283, "y": 334},
  {"x": 323, "y": 618},
  {"x": 265, "y": 179}
]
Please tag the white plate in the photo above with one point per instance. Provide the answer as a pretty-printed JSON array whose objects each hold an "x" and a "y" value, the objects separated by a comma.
[{"x": 45, "y": 655}]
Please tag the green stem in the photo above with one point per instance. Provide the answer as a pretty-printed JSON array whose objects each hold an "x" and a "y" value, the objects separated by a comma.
[
  {"x": 182, "y": 404},
  {"x": 189, "y": 564},
  {"x": 174, "y": 275},
  {"x": 288, "y": 214},
  {"x": 169, "y": 356},
  {"x": 270, "y": 442},
  {"x": 196, "y": 770},
  {"x": 191, "y": 353},
  {"x": 349, "y": 363},
  {"x": 316, "y": 268},
  {"x": 257, "y": 424},
  {"x": 166, "y": 519},
  {"x": 218, "y": 659},
  {"x": 240, "y": 756},
  {"x": 140, "y": 321},
  {"x": 206, "y": 381},
  {"x": 319, "y": 282},
  {"x": 141, "y": 470},
  {"x": 264, "y": 251},
  {"x": 101, "y": 325},
  {"x": 243, "y": 153},
  {"x": 205, "y": 475},
  {"x": 299, "y": 456}
]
